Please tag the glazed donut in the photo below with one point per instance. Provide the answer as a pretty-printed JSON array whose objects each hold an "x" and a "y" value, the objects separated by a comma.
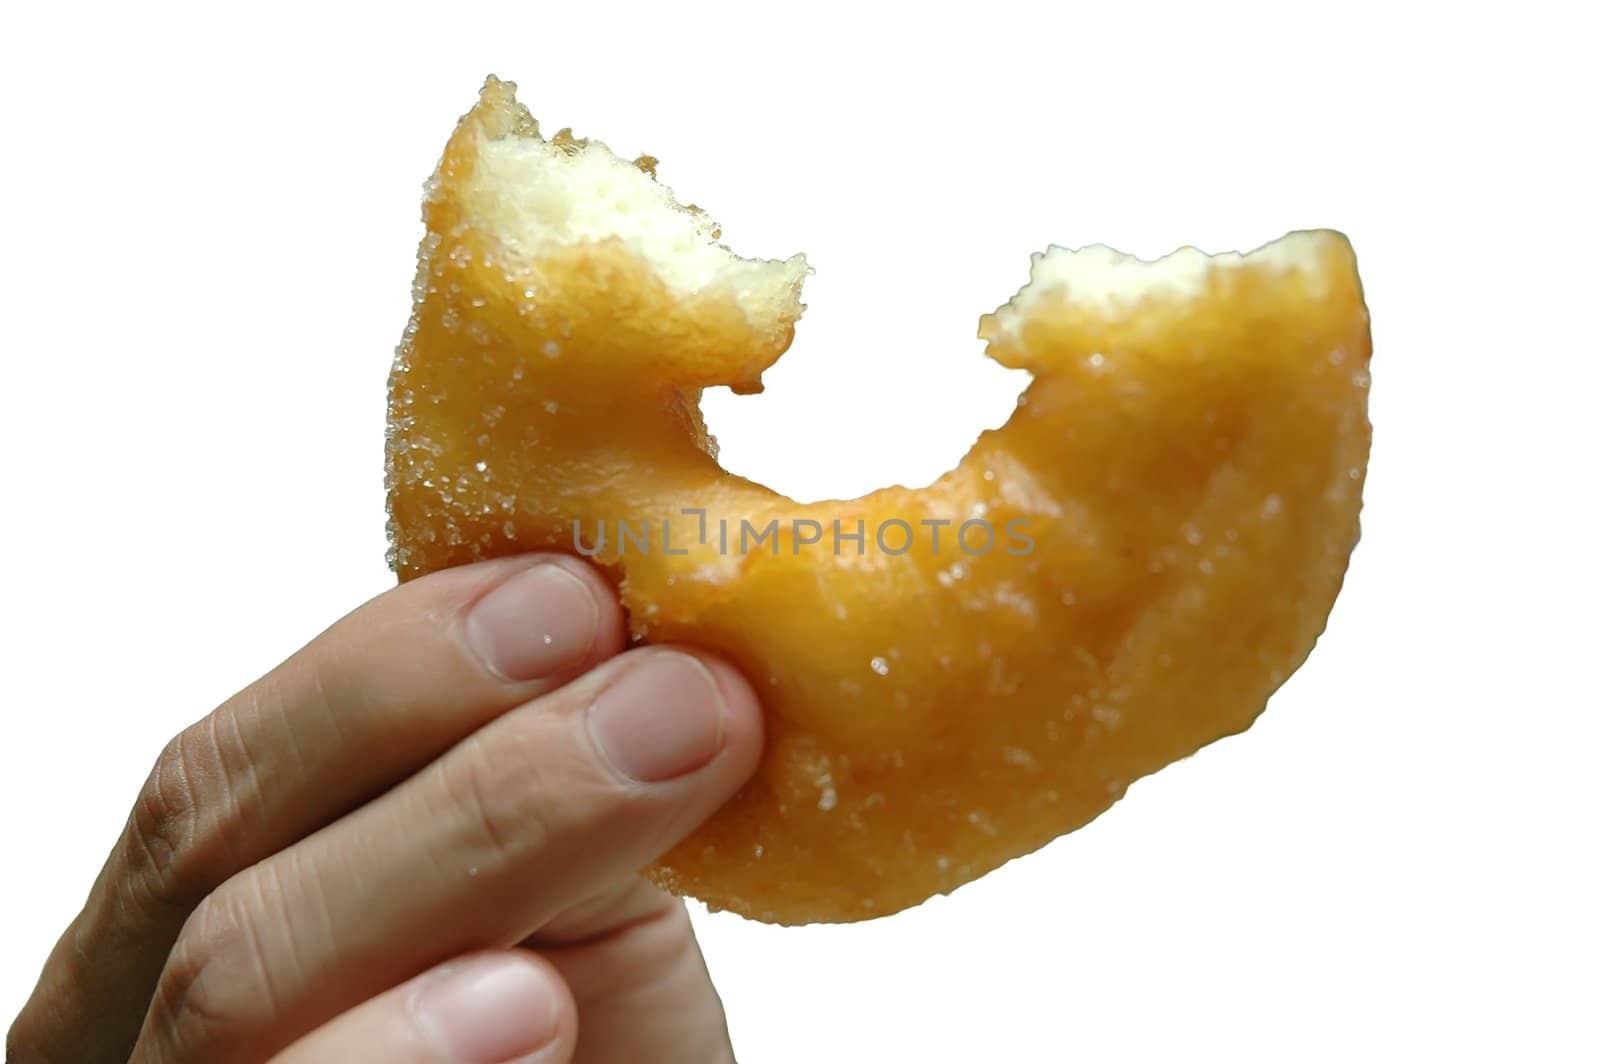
[{"x": 1169, "y": 511}]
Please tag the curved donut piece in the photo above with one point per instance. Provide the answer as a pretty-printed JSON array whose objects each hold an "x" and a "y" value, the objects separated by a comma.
[{"x": 1186, "y": 467}]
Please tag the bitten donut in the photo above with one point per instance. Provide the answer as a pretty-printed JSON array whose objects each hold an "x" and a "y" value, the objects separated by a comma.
[{"x": 953, "y": 675}]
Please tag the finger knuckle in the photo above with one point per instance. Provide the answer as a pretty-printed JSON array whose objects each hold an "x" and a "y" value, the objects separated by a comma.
[
  {"x": 173, "y": 840},
  {"x": 205, "y": 993}
]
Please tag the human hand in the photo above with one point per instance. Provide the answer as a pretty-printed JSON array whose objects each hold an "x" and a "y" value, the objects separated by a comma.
[{"x": 417, "y": 840}]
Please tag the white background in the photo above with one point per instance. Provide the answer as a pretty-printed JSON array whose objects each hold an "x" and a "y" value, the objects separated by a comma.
[{"x": 210, "y": 224}]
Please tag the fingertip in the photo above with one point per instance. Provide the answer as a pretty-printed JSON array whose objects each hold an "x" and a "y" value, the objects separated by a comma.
[
  {"x": 744, "y": 726},
  {"x": 612, "y": 623},
  {"x": 485, "y": 1007},
  {"x": 497, "y": 1005},
  {"x": 542, "y": 616}
]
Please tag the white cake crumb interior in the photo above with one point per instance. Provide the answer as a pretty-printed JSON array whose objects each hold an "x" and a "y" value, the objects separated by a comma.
[
  {"x": 1101, "y": 278},
  {"x": 535, "y": 194}
]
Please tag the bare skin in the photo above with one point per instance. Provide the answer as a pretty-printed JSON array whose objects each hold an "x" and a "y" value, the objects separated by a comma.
[{"x": 417, "y": 841}]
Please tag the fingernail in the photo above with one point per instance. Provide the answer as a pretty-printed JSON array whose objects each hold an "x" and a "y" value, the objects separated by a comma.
[
  {"x": 660, "y": 719},
  {"x": 540, "y": 622},
  {"x": 487, "y": 1010}
]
